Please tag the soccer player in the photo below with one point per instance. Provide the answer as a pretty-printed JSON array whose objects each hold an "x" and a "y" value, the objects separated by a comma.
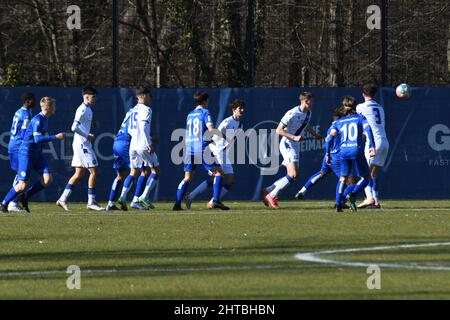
[
  {"x": 30, "y": 156},
  {"x": 198, "y": 123},
  {"x": 20, "y": 123},
  {"x": 142, "y": 152},
  {"x": 121, "y": 150},
  {"x": 84, "y": 157},
  {"x": 374, "y": 113},
  {"x": 350, "y": 132},
  {"x": 291, "y": 127},
  {"x": 349, "y": 102},
  {"x": 229, "y": 128}
]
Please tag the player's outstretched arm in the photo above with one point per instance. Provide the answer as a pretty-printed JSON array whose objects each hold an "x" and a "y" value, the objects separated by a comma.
[{"x": 282, "y": 132}]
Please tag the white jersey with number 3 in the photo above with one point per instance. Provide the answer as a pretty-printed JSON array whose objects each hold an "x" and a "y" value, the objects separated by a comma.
[{"x": 374, "y": 113}]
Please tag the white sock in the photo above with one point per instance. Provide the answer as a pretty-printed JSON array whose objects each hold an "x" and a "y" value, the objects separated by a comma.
[
  {"x": 135, "y": 199},
  {"x": 111, "y": 203},
  {"x": 368, "y": 191},
  {"x": 303, "y": 190},
  {"x": 202, "y": 187},
  {"x": 65, "y": 195},
  {"x": 91, "y": 198},
  {"x": 280, "y": 185},
  {"x": 375, "y": 196}
]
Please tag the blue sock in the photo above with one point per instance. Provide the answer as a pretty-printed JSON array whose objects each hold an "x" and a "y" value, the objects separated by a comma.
[
  {"x": 374, "y": 184},
  {"x": 35, "y": 188},
  {"x": 360, "y": 185},
  {"x": 128, "y": 181},
  {"x": 152, "y": 181},
  {"x": 115, "y": 188},
  {"x": 182, "y": 188},
  {"x": 339, "y": 192},
  {"x": 11, "y": 195},
  {"x": 348, "y": 190},
  {"x": 312, "y": 180},
  {"x": 217, "y": 187},
  {"x": 140, "y": 186}
]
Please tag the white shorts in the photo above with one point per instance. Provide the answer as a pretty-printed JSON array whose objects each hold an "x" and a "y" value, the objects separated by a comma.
[
  {"x": 84, "y": 156},
  {"x": 223, "y": 158},
  {"x": 289, "y": 151},
  {"x": 141, "y": 158},
  {"x": 382, "y": 149}
]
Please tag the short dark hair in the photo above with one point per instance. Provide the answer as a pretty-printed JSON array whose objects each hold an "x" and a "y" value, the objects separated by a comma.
[
  {"x": 28, "y": 96},
  {"x": 370, "y": 89},
  {"x": 89, "y": 90},
  {"x": 337, "y": 112},
  {"x": 306, "y": 95},
  {"x": 349, "y": 102},
  {"x": 237, "y": 104},
  {"x": 200, "y": 97},
  {"x": 141, "y": 91}
]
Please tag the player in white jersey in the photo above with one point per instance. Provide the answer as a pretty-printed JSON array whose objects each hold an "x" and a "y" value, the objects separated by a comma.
[
  {"x": 374, "y": 113},
  {"x": 142, "y": 154},
  {"x": 229, "y": 128},
  {"x": 291, "y": 126},
  {"x": 84, "y": 157}
]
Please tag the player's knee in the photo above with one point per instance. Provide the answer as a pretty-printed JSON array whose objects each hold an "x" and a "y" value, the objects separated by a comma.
[
  {"x": 21, "y": 186},
  {"x": 46, "y": 181}
]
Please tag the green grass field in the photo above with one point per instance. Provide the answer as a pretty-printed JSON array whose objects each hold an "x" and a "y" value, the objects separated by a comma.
[{"x": 246, "y": 253}]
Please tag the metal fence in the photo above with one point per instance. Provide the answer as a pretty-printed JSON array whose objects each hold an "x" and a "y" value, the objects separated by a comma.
[{"x": 220, "y": 43}]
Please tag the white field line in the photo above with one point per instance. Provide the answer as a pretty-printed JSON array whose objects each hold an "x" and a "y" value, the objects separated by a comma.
[{"x": 314, "y": 257}]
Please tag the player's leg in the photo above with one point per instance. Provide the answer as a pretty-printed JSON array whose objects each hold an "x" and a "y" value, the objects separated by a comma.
[
  {"x": 228, "y": 181},
  {"x": 24, "y": 169},
  {"x": 312, "y": 181},
  {"x": 281, "y": 184},
  {"x": 202, "y": 187},
  {"x": 368, "y": 189},
  {"x": 14, "y": 205},
  {"x": 94, "y": 174},
  {"x": 152, "y": 181},
  {"x": 217, "y": 188},
  {"x": 377, "y": 162},
  {"x": 140, "y": 185},
  {"x": 362, "y": 170},
  {"x": 41, "y": 166},
  {"x": 121, "y": 150},
  {"x": 115, "y": 190},
  {"x": 189, "y": 173},
  {"x": 127, "y": 184}
]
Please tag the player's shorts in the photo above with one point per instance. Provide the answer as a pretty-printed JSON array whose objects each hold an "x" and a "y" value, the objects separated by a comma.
[
  {"x": 335, "y": 166},
  {"x": 121, "y": 149},
  {"x": 357, "y": 166},
  {"x": 142, "y": 158},
  {"x": 26, "y": 163},
  {"x": 84, "y": 156},
  {"x": 14, "y": 160},
  {"x": 192, "y": 160},
  {"x": 223, "y": 159},
  {"x": 382, "y": 149},
  {"x": 289, "y": 151}
]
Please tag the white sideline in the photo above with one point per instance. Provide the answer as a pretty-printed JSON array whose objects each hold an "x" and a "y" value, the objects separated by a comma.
[{"x": 313, "y": 257}]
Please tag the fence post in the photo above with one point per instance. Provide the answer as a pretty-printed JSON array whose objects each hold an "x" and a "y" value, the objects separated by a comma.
[
  {"x": 115, "y": 44},
  {"x": 250, "y": 43},
  {"x": 384, "y": 42}
]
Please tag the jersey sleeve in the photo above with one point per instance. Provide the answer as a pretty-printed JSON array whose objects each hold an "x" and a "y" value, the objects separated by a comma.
[
  {"x": 207, "y": 119},
  {"x": 26, "y": 120},
  {"x": 76, "y": 126},
  {"x": 39, "y": 134},
  {"x": 286, "y": 118}
]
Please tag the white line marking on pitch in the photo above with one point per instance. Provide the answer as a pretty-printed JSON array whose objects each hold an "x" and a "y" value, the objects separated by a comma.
[{"x": 313, "y": 257}]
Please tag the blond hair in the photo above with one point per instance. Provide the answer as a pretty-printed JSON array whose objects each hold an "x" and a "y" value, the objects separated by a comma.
[{"x": 47, "y": 101}]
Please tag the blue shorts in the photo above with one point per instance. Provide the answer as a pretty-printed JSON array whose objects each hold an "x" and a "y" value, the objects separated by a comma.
[
  {"x": 14, "y": 160},
  {"x": 28, "y": 162},
  {"x": 191, "y": 162},
  {"x": 335, "y": 166},
  {"x": 121, "y": 149},
  {"x": 358, "y": 166}
]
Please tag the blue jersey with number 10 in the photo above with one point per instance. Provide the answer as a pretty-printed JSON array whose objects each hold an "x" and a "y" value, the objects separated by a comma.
[
  {"x": 351, "y": 132},
  {"x": 196, "y": 125}
]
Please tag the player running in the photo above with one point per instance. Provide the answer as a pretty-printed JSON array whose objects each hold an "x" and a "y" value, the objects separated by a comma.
[
  {"x": 229, "y": 128},
  {"x": 21, "y": 120},
  {"x": 335, "y": 166},
  {"x": 31, "y": 157},
  {"x": 374, "y": 113},
  {"x": 291, "y": 127},
  {"x": 350, "y": 132},
  {"x": 121, "y": 150},
  {"x": 198, "y": 123},
  {"x": 142, "y": 153},
  {"x": 84, "y": 157}
]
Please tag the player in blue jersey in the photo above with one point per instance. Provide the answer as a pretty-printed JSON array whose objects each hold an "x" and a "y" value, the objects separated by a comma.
[
  {"x": 198, "y": 125},
  {"x": 121, "y": 150},
  {"x": 21, "y": 120},
  {"x": 350, "y": 132},
  {"x": 347, "y": 102},
  {"x": 30, "y": 156}
]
